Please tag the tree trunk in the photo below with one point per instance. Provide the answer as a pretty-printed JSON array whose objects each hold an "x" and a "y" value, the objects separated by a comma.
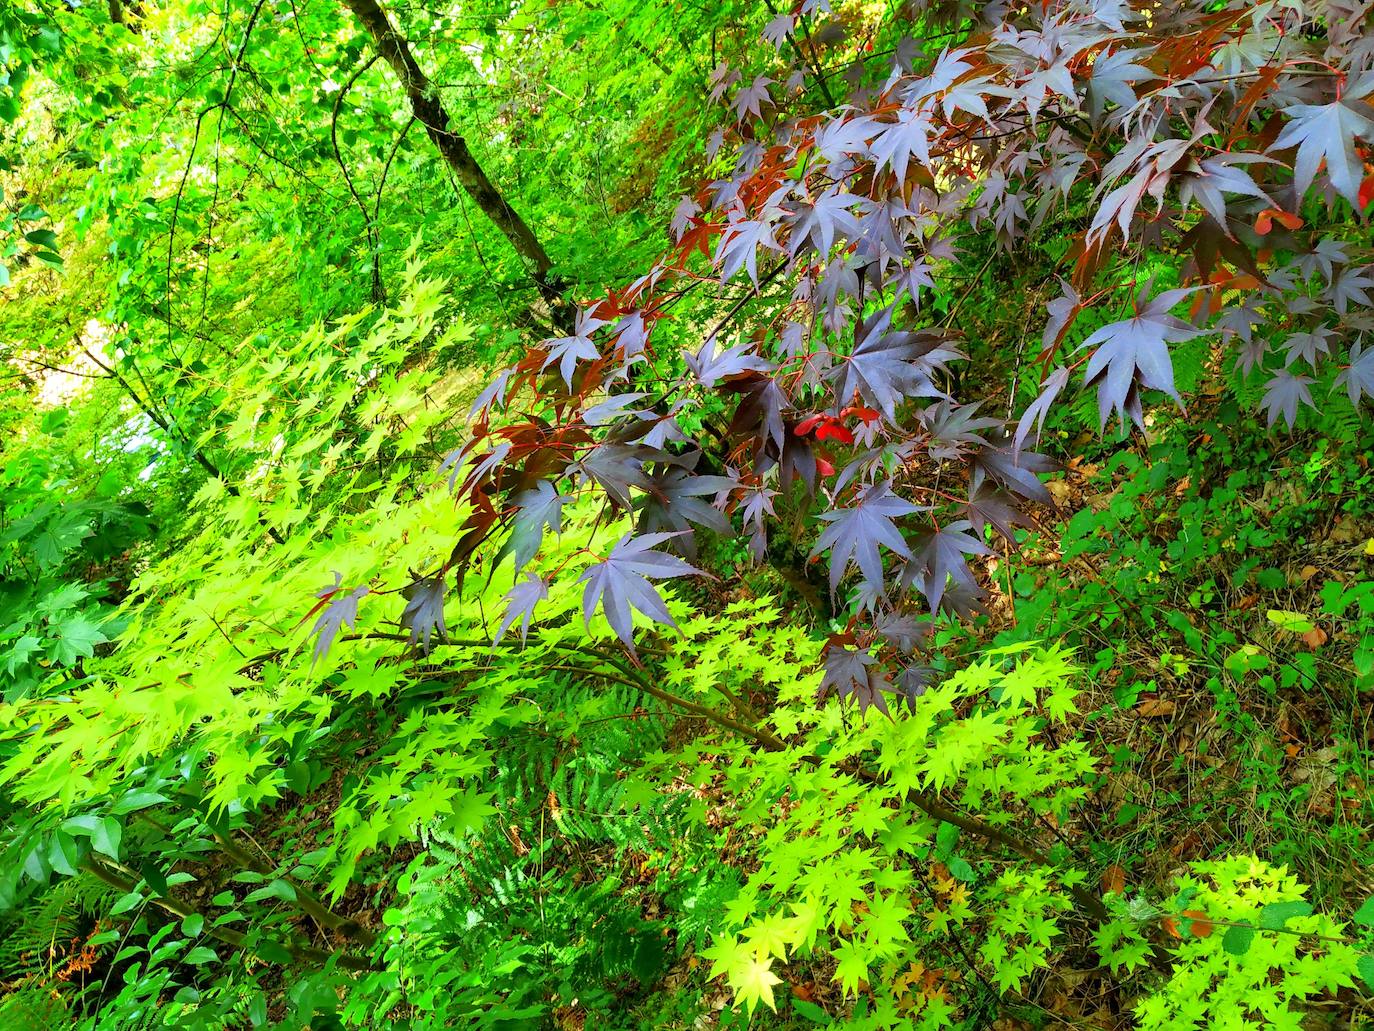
[{"x": 454, "y": 149}]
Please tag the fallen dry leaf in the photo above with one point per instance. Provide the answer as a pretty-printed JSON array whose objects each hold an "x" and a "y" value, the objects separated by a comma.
[
  {"x": 1155, "y": 708},
  {"x": 1113, "y": 880},
  {"x": 1060, "y": 490},
  {"x": 1315, "y": 638}
]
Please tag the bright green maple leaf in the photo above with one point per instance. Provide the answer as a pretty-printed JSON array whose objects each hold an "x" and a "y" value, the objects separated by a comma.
[
  {"x": 21, "y": 651},
  {"x": 753, "y": 983},
  {"x": 769, "y": 936},
  {"x": 852, "y": 967},
  {"x": 74, "y": 638}
]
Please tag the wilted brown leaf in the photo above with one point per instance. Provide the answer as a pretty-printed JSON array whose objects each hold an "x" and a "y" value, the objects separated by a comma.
[
  {"x": 1113, "y": 880},
  {"x": 1155, "y": 708}
]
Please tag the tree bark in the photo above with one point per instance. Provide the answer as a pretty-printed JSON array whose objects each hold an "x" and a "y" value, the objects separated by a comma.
[{"x": 395, "y": 50}]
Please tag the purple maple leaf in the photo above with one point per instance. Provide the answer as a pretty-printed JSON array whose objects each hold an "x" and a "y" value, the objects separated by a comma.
[
  {"x": 1035, "y": 411},
  {"x": 621, "y": 583},
  {"x": 816, "y": 224},
  {"x": 940, "y": 557},
  {"x": 494, "y": 393},
  {"x": 840, "y": 137},
  {"x": 722, "y": 77},
  {"x": 902, "y": 140},
  {"x": 739, "y": 248},
  {"x": 568, "y": 351},
  {"x": 1136, "y": 353},
  {"x": 539, "y": 507},
  {"x": 342, "y": 611},
  {"x": 710, "y": 368},
  {"x": 520, "y": 602},
  {"x": 850, "y": 676},
  {"x": 1283, "y": 394},
  {"x": 1359, "y": 377},
  {"x": 424, "y": 611},
  {"x": 750, "y": 100},
  {"x": 887, "y": 366},
  {"x": 1326, "y": 132},
  {"x": 854, "y": 534},
  {"x": 686, "y": 210},
  {"x": 1351, "y": 285},
  {"x": 616, "y": 468},
  {"x": 777, "y": 30}
]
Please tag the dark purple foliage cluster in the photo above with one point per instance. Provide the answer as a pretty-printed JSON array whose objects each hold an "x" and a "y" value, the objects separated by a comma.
[{"x": 1231, "y": 138}]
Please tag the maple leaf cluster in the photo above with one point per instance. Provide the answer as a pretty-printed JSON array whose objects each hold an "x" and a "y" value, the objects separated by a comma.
[{"x": 1230, "y": 137}]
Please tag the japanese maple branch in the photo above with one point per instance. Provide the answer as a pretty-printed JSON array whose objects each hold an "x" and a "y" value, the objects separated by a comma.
[
  {"x": 147, "y": 408},
  {"x": 813, "y": 64},
  {"x": 930, "y": 806}
]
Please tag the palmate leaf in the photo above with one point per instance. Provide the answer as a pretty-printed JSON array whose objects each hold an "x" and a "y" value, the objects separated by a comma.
[
  {"x": 1213, "y": 177},
  {"x": 817, "y": 224},
  {"x": 1017, "y": 471},
  {"x": 341, "y": 610},
  {"x": 1283, "y": 394},
  {"x": 850, "y": 675},
  {"x": 854, "y": 534},
  {"x": 755, "y": 508},
  {"x": 686, "y": 210},
  {"x": 760, "y": 411},
  {"x": 710, "y": 367},
  {"x": 520, "y": 602},
  {"x": 842, "y": 136},
  {"x": 1359, "y": 377},
  {"x": 677, "y": 497},
  {"x": 1326, "y": 132},
  {"x": 902, "y": 140},
  {"x": 888, "y": 366},
  {"x": 940, "y": 555},
  {"x": 616, "y": 468},
  {"x": 989, "y": 506},
  {"x": 721, "y": 78},
  {"x": 621, "y": 583},
  {"x": 424, "y": 611},
  {"x": 1308, "y": 345},
  {"x": 1352, "y": 285},
  {"x": 1135, "y": 353},
  {"x": 568, "y": 351},
  {"x": 537, "y": 508},
  {"x": 1112, "y": 77},
  {"x": 750, "y": 100},
  {"x": 72, "y": 637},
  {"x": 739, "y": 248},
  {"x": 904, "y": 631},
  {"x": 1035, "y": 412},
  {"x": 777, "y": 30},
  {"x": 955, "y": 429}
]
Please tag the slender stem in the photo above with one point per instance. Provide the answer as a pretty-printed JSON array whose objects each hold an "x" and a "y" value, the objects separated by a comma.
[
  {"x": 814, "y": 64},
  {"x": 304, "y": 898},
  {"x": 147, "y": 408},
  {"x": 369, "y": 223}
]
